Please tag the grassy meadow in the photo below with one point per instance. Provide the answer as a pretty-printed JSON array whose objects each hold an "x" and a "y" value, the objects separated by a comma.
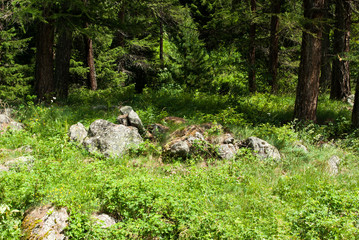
[{"x": 242, "y": 198}]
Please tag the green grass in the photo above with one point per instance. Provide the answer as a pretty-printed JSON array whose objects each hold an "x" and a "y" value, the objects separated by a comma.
[{"x": 244, "y": 198}]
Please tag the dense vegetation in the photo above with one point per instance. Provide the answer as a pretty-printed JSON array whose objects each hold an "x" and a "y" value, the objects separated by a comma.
[{"x": 236, "y": 63}]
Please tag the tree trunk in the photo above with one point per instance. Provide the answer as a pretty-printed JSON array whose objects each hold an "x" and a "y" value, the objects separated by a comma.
[
  {"x": 161, "y": 44},
  {"x": 309, "y": 69},
  {"x": 355, "y": 113},
  {"x": 62, "y": 61},
  {"x": 274, "y": 39},
  {"x": 119, "y": 38},
  {"x": 326, "y": 68},
  {"x": 252, "y": 52},
  {"x": 340, "y": 88},
  {"x": 91, "y": 76},
  {"x": 44, "y": 67}
]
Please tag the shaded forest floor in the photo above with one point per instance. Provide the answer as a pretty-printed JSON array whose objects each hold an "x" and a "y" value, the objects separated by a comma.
[{"x": 242, "y": 198}]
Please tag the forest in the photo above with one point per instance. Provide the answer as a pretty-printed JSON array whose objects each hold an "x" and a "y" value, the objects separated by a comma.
[{"x": 179, "y": 119}]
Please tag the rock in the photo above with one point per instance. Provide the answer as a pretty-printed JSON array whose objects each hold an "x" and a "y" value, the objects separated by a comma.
[
  {"x": 17, "y": 163},
  {"x": 301, "y": 146},
  {"x": 158, "y": 129},
  {"x": 45, "y": 223},
  {"x": 25, "y": 149},
  {"x": 122, "y": 119},
  {"x": 7, "y": 122},
  {"x": 104, "y": 220},
  {"x": 350, "y": 99},
  {"x": 187, "y": 142},
  {"x": 4, "y": 168},
  {"x": 125, "y": 110},
  {"x": 174, "y": 120},
  {"x": 333, "y": 165},
  {"x": 111, "y": 139},
  {"x": 132, "y": 117},
  {"x": 227, "y": 151},
  {"x": 180, "y": 149},
  {"x": 262, "y": 148},
  {"x": 77, "y": 132}
]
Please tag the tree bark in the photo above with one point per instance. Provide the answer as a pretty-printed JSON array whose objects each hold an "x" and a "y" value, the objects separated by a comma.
[
  {"x": 326, "y": 68},
  {"x": 91, "y": 76},
  {"x": 274, "y": 39},
  {"x": 309, "y": 69},
  {"x": 62, "y": 61},
  {"x": 44, "y": 84},
  {"x": 252, "y": 51},
  {"x": 355, "y": 113},
  {"x": 340, "y": 88}
]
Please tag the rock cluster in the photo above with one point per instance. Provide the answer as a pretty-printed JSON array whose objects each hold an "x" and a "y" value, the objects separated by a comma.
[
  {"x": 116, "y": 139},
  {"x": 107, "y": 138}
]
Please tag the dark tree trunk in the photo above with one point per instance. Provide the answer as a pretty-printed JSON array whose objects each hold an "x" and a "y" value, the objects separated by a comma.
[
  {"x": 62, "y": 61},
  {"x": 340, "y": 88},
  {"x": 91, "y": 76},
  {"x": 309, "y": 69},
  {"x": 355, "y": 114},
  {"x": 161, "y": 44},
  {"x": 326, "y": 68},
  {"x": 274, "y": 39},
  {"x": 119, "y": 38},
  {"x": 252, "y": 52},
  {"x": 44, "y": 67}
]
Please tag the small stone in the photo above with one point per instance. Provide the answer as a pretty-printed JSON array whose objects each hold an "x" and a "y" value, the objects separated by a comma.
[
  {"x": 301, "y": 146},
  {"x": 104, "y": 220},
  {"x": 333, "y": 165}
]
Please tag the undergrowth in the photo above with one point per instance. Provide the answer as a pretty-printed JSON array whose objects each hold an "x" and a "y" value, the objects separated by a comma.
[{"x": 243, "y": 198}]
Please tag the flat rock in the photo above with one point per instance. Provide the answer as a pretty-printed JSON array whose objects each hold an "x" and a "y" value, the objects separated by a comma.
[
  {"x": 77, "y": 132},
  {"x": 46, "y": 223},
  {"x": 262, "y": 148},
  {"x": 111, "y": 139},
  {"x": 17, "y": 163}
]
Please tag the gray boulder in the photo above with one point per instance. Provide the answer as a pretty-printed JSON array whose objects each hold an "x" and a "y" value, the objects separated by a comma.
[
  {"x": 227, "y": 151},
  {"x": 132, "y": 118},
  {"x": 104, "y": 220},
  {"x": 46, "y": 223},
  {"x": 262, "y": 148},
  {"x": 77, "y": 132},
  {"x": 180, "y": 149},
  {"x": 111, "y": 139},
  {"x": 333, "y": 165}
]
